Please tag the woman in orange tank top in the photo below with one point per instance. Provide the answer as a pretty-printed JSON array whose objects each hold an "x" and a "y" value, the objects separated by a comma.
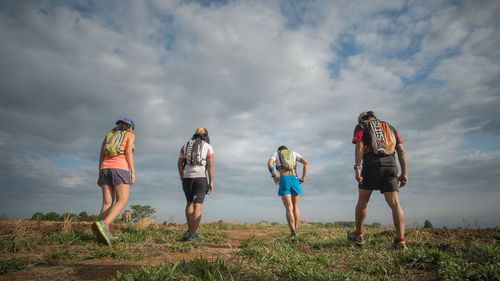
[{"x": 116, "y": 174}]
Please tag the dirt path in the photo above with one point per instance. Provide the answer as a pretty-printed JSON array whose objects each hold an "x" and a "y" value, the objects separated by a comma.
[{"x": 106, "y": 268}]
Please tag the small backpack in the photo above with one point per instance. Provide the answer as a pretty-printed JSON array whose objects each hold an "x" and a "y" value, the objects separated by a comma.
[
  {"x": 286, "y": 159},
  {"x": 383, "y": 140},
  {"x": 113, "y": 142},
  {"x": 192, "y": 155}
]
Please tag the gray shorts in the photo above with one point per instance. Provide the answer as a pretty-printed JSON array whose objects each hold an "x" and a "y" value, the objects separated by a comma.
[{"x": 113, "y": 177}]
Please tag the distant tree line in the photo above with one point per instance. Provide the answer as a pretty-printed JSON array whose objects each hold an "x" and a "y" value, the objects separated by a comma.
[
  {"x": 53, "y": 216},
  {"x": 138, "y": 212},
  {"x": 344, "y": 224}
]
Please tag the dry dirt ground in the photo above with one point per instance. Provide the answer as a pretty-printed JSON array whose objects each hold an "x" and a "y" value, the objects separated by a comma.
[{"x": 106, "y": 268}]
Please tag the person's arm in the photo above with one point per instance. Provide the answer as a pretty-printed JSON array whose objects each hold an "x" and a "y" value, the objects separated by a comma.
[
  {"x": 403, "y": 178},
  {"x": 358, "y": 157},
  {"x": 129, "y": 155},
  {"x": 304, "y": 169},
  {"x": 210, "y": 168},
  {"x": 270, "y": 166},
  {"x": 101, "y": 159},
  {"x": 180, "y": 168}
]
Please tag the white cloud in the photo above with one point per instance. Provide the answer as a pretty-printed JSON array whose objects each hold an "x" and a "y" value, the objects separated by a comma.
[{"x": 257, "y": 74}]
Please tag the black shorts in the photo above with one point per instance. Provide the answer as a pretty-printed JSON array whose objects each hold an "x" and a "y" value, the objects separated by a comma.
[
  {"x": 195, "y": 189},
  {"x": 384, "y": 179}
]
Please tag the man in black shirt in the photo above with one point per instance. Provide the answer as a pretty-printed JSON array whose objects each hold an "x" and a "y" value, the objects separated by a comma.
[{"x": 376, "y": 143}]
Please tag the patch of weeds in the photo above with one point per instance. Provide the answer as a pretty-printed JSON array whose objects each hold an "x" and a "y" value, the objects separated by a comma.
[
  {"x": 484, "y": 253},
  {"x": 71, "y": 238},
  {"x": 180, "y": 246},
  {"x": 480, "y": 263},
  {"x": 134, "y": 234},
  {"x": 165, "y": 236},
  {"x": 324, "y": 241},
  {"x": 197, "y": 269},
  {"x": 15, "y": 244},
  {"x": 454, "y": 269},
  {"x": 202, "y": 269},
  {"x": 10, "y": 266},
  {"x": 421, "y": 258},
  {"x": 281, "y": 260},
  {"x": 214, "y": 236},
  {"x": 53, "y": 257},
  {"x": 147, "y": 274},
  {"x": 116, "y": 252}
]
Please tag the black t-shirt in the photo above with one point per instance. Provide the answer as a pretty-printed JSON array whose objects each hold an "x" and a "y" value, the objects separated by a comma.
[{"x": 370, "y": 159}]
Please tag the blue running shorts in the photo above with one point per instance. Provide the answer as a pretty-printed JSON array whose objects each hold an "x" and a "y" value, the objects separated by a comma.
[{"x": 289, "y": 185}]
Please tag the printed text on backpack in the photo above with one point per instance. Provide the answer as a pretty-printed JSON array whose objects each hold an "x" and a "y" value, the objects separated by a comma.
[{"x": 383, "y": 140}]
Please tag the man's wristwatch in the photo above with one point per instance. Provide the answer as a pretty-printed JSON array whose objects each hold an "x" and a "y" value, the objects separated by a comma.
[{"x": 357, "y": 167}]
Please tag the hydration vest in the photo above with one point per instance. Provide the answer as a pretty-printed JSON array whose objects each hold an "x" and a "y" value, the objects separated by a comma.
[
  {"x": 383, "y": 140},
  {"x": 287, "y": 161},
  {"x": 193, "y": 154},
  {"x": 113, "y": 142}
]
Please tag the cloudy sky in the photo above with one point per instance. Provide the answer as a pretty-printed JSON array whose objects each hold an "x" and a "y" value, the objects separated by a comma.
[{"x": 257, "y": 74}]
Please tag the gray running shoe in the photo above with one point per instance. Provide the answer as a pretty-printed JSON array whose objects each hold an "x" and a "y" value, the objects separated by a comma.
[
  {"x": 185, "y": 236},
  {"x": 194, "y": 238},
  {"x": 294, "y": 234},
  {"x": 358, "y": 239}
]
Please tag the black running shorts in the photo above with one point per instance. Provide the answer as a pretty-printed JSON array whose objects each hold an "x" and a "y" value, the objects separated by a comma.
[
  {"x": 195, "y": 189},
  {"x": 384, "y": 179}
]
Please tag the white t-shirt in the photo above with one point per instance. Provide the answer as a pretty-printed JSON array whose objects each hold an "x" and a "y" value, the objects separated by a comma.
[
  {"x": 295, "y": 156},
  {"x": 197, "y": 171}
]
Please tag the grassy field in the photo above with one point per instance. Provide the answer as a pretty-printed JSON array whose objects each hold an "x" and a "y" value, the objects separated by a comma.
[{"x": 33, "y": 250}]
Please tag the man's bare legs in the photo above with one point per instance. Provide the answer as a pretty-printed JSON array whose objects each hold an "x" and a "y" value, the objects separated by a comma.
[
  {"x": 193, "y": 216},
  {"x": 398, "y": 216},
  {"x": 361, "y": 208}
]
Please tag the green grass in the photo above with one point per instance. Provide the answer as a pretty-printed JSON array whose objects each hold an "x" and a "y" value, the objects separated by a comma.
[
  {"x": 70, "y": 238},
  {"x": 10, "y": 266},
  {"x": 321, "y": 252},
  {"x": 197, "y": 269}
]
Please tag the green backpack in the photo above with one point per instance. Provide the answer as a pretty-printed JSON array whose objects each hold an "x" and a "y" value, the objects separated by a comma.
[
  {"x": 286, "y": 159},
  {"x": 113, "y": 143}
]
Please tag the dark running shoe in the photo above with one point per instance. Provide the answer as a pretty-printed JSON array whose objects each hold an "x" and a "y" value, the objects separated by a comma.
[
  {"x": 194, "y": 238},
  {"x": 185, "y": 236},
  {"x": 356, "y": 238}
]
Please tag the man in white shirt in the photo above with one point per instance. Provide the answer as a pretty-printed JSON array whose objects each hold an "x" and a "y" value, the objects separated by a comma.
[{"x": 195, "y": 159}]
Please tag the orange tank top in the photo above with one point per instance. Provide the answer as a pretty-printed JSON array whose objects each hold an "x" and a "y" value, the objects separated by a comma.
[{"x": 118, "y": 162}]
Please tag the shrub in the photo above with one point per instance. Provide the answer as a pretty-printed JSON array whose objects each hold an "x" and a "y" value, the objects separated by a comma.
[
  {"x": 38, "y": 216},
  {"x": 428, "y": 224},
  {"x": 52, "y": 216},
  {"x": 141, "y": 212}
]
